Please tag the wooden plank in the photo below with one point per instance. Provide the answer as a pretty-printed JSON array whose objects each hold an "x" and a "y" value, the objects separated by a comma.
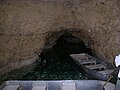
[
  {"x": 88, "y": 61},
  {"x": 97, "y": 66},
  {"x": 82, "y": 56},
  {"x": 109, "y": 71}
]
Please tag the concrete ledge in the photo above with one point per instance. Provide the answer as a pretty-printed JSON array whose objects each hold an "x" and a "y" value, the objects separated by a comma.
[{"x": 57, "y": 85}]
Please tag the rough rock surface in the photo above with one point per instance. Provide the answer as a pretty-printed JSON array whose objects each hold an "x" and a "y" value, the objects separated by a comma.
[{"x": 29, "y": 26}]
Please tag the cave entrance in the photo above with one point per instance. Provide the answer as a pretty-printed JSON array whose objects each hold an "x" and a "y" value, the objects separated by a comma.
[{"x": 57, "y": 63}]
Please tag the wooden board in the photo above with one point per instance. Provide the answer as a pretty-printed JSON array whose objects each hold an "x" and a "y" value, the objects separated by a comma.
[
  {"x": 88, "y": 62},
  {"x": 97, "y": 66},
  {"x": 109, "y": 71}
]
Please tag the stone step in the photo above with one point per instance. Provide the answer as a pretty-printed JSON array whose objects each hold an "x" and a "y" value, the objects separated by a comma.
[
  {"x": 97, "y": 66},
  {"x": 68, "y": 86}
]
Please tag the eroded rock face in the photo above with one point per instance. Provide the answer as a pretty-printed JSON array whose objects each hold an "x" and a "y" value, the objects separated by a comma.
[{"x": 29, "y": 26}]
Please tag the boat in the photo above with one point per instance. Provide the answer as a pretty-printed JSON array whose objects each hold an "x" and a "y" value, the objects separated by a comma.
[
  {"x": 95, "y": 68},
  {"x": 57, "y": 85}
]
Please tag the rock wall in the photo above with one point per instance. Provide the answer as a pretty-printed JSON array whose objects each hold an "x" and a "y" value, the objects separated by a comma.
[{"x": 29, "y": 26}]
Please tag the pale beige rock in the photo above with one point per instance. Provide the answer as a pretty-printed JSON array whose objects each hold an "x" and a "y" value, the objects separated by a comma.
[{"x": 28, "y": 26}]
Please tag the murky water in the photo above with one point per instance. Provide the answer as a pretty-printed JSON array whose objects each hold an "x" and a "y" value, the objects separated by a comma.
[{"x": 58, "y": 66}]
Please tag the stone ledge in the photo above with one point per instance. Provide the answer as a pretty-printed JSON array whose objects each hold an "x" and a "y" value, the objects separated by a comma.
[{"x": 16, "y": 65}]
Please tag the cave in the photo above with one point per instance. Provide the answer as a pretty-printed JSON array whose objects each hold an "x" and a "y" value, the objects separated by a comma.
[
  {"x": 57, "y": 62},
  {"x": 38, "y": 36},
  {"x": 26, "y": 30},
  {"x": 69, "y": 44}
]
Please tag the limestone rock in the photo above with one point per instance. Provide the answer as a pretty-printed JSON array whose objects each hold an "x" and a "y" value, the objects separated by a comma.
[{"x": 28, "y": 26}]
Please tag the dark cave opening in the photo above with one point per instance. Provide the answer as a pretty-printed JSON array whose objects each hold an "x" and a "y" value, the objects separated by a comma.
[
  {"x": 56, "y": 62},
  {"x": 71, "y": 45}
]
